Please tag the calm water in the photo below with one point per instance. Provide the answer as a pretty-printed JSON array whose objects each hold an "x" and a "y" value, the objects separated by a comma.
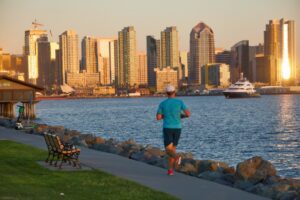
[{"x": 229, "y": 130}]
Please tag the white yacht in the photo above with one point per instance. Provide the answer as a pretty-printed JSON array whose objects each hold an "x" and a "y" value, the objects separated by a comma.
[{"x": 241, "y": 89}]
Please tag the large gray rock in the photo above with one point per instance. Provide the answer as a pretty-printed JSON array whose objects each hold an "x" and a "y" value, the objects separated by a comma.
[
  {"x": 260, "y": 189},
  {"x": 129, "y": 147},
  {"x": 289, "y": 195},
  {"x": 77, "y": 141},
  {"x": 150, "y": 155},
  {"x": 189, "y": 166},
  {"x": 41, "y": 129},
  {"x": 162, "y": 163},
  {"x": 72, "y": 133},
  {"x": 57, "y": 130},
  {"x": 229, "y": 178},
  {"x": 210, "y": 165},
  {"x": 106, "y": 148},
  {"x": 184, "y": 155},
  {"x": 139, "y": 156},
  {"x": 154, "y": 151},
  {"x": 112, "y": 142},
  {"x": 244, "y": 185},
  {"x": 218, "y": 177},
  {"x": 82, "y": 143},
  {"x": 255, "y": 170},
  {"x": 276, "y": 188},
  {"x": 8, "y": 123},
  {"x": 209, "y": 175},
  {"x": 88, "y": 138}
]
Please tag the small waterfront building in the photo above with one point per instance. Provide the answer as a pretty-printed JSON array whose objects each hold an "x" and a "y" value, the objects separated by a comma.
[
  {"x": 215, "y": 75},
  {"x": 83, "y": 79},
  {"x": 13, "y": 91},
  {"x": 104, "y": 90},
  {"x": 165, "y": 77}
]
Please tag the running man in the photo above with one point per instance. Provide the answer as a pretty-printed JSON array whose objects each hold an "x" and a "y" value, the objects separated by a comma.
[{"x": 171, "y": 111}]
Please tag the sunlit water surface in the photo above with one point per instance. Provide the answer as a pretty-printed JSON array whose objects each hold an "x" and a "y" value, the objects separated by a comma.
[{"x": 229, "y": 130}]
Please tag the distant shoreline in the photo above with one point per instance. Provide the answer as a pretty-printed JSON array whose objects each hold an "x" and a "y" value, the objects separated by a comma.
[{"x": 148, "y": 96}]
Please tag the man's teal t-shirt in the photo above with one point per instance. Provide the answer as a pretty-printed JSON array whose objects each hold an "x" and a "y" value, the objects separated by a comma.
[{"x": 171, "y": 109}]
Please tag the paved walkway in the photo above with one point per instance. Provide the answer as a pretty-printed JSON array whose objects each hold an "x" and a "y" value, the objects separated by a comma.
[{"x": 179, "y": 185}]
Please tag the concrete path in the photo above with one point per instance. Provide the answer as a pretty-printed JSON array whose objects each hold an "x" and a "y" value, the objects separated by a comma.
[{"x": 179, "y": 185}]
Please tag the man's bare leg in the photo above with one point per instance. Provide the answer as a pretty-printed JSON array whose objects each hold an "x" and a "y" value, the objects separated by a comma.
[{"x": 171, "y": 152}]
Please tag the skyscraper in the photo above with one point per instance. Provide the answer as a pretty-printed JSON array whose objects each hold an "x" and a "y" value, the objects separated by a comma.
[
  {"x": 107, "y": 50},
  {"x": 69, "y": 52},
  {"x": 46, "y": 63},
  {"x": 127, "y": 68},
  {"x": 184, "y": 64},
  {"x": 239, "y": 61},
  {"x": 223, "y": 57},
  {"x": 153, "y": 59},
  {"x": 1, "y": 65},
  {"x": 202, "y": 51},
  {"x": 32, "y": 37},
  {"x": 6, "y": 62},
  {"x": 279, "y": 41},
  {"x": 261, "y": 69},
  {"x": 142, "y": 69},
  {"x": 89, "y": 54},
  {"x": 169, "y": 47},
  {"x": 253, "y": 51},
  {"x": 17, "y": 64}
]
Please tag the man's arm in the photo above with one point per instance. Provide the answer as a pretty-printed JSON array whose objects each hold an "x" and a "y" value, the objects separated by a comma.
[
  {"x": 159, "y": 116},
  {"x": 187, "y": 113}
]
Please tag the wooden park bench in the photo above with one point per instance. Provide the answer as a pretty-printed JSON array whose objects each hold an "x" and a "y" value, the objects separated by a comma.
[{"x": 60, "y": 151}]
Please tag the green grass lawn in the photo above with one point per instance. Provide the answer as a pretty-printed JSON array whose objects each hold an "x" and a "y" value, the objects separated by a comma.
[{"x": 22, "y": 178}]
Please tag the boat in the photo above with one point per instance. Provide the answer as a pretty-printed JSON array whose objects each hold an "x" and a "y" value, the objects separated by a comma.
[{"x": 241, "y": 89}]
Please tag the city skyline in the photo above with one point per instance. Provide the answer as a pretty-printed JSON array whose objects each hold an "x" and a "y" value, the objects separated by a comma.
[{"x": 241, "y": 24}]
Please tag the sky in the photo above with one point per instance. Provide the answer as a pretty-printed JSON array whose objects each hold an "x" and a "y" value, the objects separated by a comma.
[{"x": 231, "y": 20}]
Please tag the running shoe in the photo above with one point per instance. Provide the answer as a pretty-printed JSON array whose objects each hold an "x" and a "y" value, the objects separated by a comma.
[{"x": 170, "y": 172}]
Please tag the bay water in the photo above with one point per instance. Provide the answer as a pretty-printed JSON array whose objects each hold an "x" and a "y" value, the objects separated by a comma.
[{"x": 228, "y": 130}]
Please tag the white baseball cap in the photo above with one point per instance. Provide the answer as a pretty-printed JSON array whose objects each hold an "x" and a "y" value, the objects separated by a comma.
[{"x": 170, "y": 88}]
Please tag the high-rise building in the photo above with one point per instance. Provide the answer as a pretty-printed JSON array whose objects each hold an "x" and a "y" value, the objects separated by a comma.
[
  {"x": 223, "y": 57},
  {"x": 279, "y": 47},
  {"x": 32, "y": 37},
  {"x": 107, "y": 52},
  {"x": 69, "y": 52},
  {"x": 153, "y": 59},
  {"x": 261, "y": 69},
  {"x": 142, "y": 69},
  {"x": 17, "y": 63},
  {"x": 164, "y": 77},
  {"x": 1, "y": 65},
  {"x": 46, "y": 63},
  {"x": 6, "y": 62},
  {"x": 89, "y": 54},
  {"x": 169, "y": 47},
  {"x": 184, "y": 65},
  {"x": 253, "y": 51},
  {"x": 202, "y": 51},
  {"x": 59, "y": 74},
  {"x": 215, "y": 75},
  {"x": 240, "y": 61},
  {"x": 127, "y": 68}
]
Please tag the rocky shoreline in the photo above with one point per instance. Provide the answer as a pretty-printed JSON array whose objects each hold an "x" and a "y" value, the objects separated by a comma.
[{"x": 254, "y": 175}]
